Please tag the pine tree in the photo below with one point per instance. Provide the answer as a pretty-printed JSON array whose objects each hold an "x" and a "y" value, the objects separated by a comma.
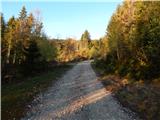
[
  {"x": 24, "y": 32},
  {"x": 3, "y": 48},
  {"x": 86, "y": 36},
  {"x": 32, "y": 58},
  {"x": 85, "y": 40},
  {"x": 3, "y": 26},
  {"x": 23, "y": 14},
  {"x": 3, "y": 41}
]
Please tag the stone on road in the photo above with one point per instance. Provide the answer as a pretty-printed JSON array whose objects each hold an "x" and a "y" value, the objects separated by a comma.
[{"x": 78, "y": 95}]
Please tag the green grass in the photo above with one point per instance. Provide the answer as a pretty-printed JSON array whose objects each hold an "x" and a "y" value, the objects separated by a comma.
[
  {"x": 99, "y": 70},
  {"x": 15, "y": 97}
]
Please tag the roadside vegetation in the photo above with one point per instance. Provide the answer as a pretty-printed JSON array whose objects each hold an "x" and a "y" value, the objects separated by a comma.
[
  {"x": 26, "y": 50},
  {"x": 31, "y": 61},
  {"x": 127, "y": 58},
  {"x": 16, "y": 97},
  {"x": 28, "y": 62},
  {"x": 133, "y": 54}
]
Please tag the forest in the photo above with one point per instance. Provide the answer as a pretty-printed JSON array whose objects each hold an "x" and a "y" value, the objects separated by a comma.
[
  {"x": 26, "y": 49},
  {"x": 133, "y": 54},
  {"x": 130, "y": 50}
]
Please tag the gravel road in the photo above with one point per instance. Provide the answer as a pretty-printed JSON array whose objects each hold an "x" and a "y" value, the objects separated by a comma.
[{"x": 78, "y": 95}]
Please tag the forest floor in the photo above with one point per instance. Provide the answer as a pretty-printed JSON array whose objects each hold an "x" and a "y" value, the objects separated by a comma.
[
  {"x": 78, "y": 95},
  {"x": 16, "y": 96}
]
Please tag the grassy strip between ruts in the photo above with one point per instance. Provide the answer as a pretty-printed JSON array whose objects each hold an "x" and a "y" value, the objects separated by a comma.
[{"x": 15, "y": 97}]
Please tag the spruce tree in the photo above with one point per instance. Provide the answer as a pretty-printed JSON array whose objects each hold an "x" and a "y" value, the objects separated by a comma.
[
  {"x": 3, "y": 42},
  {"x": 23, "y": 13},
  {"x": 32, "y": 58},
  {"x": 85, "y": 40}
]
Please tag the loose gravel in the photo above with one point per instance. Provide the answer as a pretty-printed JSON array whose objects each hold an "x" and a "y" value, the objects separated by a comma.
[{"x": 78, "y": 95}]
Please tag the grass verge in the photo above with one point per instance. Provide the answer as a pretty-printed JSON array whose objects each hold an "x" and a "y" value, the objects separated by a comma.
[
  {"x": 15, "y": 97},
  {"x": 142, "y": 98}
]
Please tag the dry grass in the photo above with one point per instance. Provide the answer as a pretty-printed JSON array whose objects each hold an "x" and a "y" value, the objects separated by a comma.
[{"x": 141, "y": 97}]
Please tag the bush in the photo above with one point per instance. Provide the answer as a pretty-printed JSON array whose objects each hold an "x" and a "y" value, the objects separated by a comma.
[
  {"x": 123, "y": 70},
  {"x": 108, "y": 65}
]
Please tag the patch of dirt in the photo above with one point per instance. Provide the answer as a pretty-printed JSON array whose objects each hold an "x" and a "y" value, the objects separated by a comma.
[{"x": 139, "y": 97}]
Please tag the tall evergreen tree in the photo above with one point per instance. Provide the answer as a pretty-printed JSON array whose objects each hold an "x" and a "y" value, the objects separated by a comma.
[
  {"x": 85, "y": 40},
  {"x": 86, "y": 36},
  {"x": 23, "y": 14},
  {"x": 32, "y": 58},
  {"x": 3, "y": 41},
  {"x": 3, "y": 26}
]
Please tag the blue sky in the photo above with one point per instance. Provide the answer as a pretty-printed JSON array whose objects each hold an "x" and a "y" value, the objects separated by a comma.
[{"x": 65, "y": 18}]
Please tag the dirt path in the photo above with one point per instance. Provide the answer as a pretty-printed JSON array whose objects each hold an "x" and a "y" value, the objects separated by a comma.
[{"x": 78, "y": 95}]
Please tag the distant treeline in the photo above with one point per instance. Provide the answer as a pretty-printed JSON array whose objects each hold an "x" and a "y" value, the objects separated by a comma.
[{"x": 77, "y": 50}]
